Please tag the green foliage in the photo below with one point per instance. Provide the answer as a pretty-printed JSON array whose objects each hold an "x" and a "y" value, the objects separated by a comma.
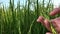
[{"x": 23, "y": 20}]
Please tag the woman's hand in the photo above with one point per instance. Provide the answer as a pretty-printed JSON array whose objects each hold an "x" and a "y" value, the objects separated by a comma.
[{"x": 55, "y": 22}]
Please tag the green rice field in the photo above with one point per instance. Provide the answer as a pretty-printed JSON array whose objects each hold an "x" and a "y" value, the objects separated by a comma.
[{"x": 21, "y": 19}]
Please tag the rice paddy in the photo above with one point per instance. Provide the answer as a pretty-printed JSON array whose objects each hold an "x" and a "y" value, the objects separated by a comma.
[{"x": 17, "y": 20}]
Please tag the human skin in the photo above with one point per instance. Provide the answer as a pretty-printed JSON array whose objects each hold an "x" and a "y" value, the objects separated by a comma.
[{"x": 55, "y": 22}]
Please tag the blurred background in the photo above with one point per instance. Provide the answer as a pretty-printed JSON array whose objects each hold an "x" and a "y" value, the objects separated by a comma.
[{"x": 19, "y": 16}]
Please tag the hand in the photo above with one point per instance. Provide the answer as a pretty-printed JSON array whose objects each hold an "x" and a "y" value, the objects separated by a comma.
[{"x": 55, "y": 22}]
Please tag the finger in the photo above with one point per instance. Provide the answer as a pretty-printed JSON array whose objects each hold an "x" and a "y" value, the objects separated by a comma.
[
  {"x": 48, "y": 33},
  {"x": 47, "y": 24},
  {"x": 55, "y": 11},
  {"x": 40, "y": 19},
  {"x": 56, "y": 24}
]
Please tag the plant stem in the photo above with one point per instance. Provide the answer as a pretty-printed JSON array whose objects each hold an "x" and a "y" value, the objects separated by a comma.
[{"x": 52, "y": 28}]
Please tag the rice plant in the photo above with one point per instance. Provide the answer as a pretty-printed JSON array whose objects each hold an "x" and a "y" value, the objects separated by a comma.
[{"x": 17, "y": 20}]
